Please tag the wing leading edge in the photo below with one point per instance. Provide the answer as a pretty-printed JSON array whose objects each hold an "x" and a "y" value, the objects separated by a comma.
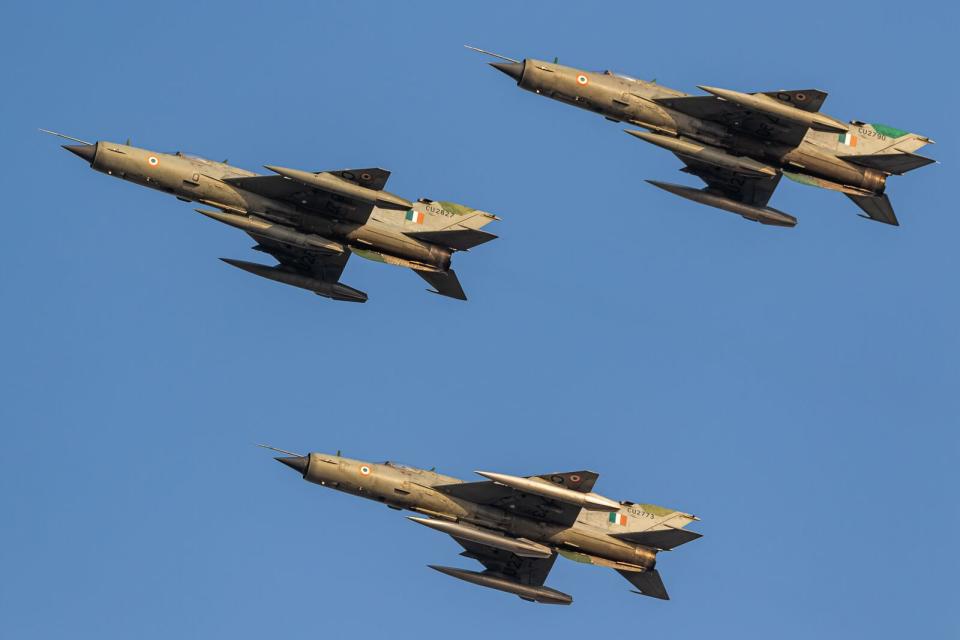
[
  {"x": 753, "y": 122},
  {"x": 528, "y": 505}
]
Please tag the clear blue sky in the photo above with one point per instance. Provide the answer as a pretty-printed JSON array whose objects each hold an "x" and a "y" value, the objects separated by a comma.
[{"x": 797, "y": 389}]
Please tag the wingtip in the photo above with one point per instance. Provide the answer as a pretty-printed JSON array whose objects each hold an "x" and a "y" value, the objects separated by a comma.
[{"x": 665, "y": 596}]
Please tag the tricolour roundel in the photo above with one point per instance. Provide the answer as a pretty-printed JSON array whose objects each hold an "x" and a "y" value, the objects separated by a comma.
[
  {"x": 582, "y": 79},
  {"x": 364, "y": 470},
  {"x": 152, "y": 161},
  {"x": 574, "y": 478}
]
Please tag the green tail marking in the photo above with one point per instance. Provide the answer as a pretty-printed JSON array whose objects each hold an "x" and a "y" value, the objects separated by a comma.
[
  {"x": 456, "y": 209},
  {"x": 655, "y": 510},
  {"x": 890, "y": 132}
]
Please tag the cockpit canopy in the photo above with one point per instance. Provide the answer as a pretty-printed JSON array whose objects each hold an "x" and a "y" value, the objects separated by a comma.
[
  {"x": 402, "y": 467},
  {"x": 190, "y": 156},
  {"x": 607, "y": 72}
]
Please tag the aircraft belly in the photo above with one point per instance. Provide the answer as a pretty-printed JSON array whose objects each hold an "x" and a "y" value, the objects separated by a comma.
[
  {"x": 214, "y": 191},
  {"x": 810, "y": 162},
  {"x": 603, "y": 546},
  {"x": 381, "y": 238}
]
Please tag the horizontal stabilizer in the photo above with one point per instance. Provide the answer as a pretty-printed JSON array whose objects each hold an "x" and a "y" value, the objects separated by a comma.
[
  {"x": 648, "y": 583},
  {"x": 877, "y": 208},
  {"x": 665, "y": 539},
  {"x": 897, "y": 163},
  {"x": 445, "y": 283},
  {"x": 457, "y": 239}
]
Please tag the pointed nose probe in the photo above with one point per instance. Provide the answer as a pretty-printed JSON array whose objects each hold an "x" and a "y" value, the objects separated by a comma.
[
  {"x": 297, "y": 463},
  {"x": 85, "y": 151},
  {"x": 512, "y": 69}
]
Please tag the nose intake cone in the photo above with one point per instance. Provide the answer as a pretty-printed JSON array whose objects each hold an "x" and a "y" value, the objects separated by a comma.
[
  {"x": 512, "y": 69},
  {"x": 85, "y": 151},
  {"x": 297, "y": 463}
]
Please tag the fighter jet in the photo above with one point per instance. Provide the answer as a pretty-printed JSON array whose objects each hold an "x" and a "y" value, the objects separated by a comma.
[
  {"x": 311, "y": 222},
  {"x": 515, "y": 526},
  {"x": 738, "y": 143}
]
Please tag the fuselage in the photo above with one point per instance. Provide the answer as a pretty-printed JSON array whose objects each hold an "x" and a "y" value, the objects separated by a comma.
[
  {"x": 194, "y": 179},
  {"x": 622, "y": 98},
  {"x": 403, "y": 487}
]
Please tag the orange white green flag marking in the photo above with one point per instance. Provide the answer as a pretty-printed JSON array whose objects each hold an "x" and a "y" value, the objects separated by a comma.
[
  {"x": 618, "y": 518},
  {"x": 848, "y": 139}
]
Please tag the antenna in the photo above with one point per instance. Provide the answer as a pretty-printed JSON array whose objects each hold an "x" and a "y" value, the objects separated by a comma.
[
  {"x": 490, "y": 53},
  {"x": 289, "y": 453},
  {"x": 63, "y": 135}
]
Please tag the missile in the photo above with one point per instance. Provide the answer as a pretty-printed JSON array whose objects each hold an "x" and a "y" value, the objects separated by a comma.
[
  {"x": 544, "y": 595},
  {"x": 516, "y": 546},
  {"x": 590, "y": 501},
  {"x": 335, "y": 290},
  {"x": 334, "y": 184},
  {"x": 276, "y": 232},
  {"x": 763, "y": 215},
  {"x": 777, "y": 108},
  {"x": 706, "y": 153}
]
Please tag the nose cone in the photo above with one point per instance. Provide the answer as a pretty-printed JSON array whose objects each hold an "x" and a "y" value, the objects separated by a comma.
[
  {"x": 297, "y": 463},
  {"x": 512, "y": 69},
  {"x": 85, "y": 151}
]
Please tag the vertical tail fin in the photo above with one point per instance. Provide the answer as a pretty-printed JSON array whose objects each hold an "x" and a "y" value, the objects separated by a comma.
[
  {"x": 868, "y": 139},
  {"x": 435, "y": 215},
  {"x": 644, "y": 517}
]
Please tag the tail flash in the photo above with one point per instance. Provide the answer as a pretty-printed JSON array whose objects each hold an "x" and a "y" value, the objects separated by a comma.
[{"x": 648, "y": 583}]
